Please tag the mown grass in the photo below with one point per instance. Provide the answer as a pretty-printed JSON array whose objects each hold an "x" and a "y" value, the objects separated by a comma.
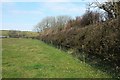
[{"x": 27, "y": 58}]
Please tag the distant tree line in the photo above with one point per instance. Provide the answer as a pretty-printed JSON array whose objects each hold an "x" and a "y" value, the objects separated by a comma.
[{"x": 21, "y": 34}]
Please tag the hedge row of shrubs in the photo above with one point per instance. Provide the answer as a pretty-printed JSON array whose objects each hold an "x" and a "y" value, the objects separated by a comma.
[{"x": 101, "y": 40}]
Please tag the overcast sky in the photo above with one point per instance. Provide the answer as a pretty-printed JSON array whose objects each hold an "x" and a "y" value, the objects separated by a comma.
[{"x": 23, "y": 15}]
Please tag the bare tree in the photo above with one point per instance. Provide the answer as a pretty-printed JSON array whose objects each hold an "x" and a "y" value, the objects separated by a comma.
[
  {"x": 90, "y": 17},
  {"x": 112, "y": 7},
  {"x": 62, "y": 20},
  {"x": 49, "y": 22}
]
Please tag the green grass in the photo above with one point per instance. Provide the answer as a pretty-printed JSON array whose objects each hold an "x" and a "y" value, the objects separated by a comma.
[{"x": 27, "y": 58}]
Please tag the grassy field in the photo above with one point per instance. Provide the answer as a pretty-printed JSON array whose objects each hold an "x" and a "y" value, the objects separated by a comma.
[{"x": 27, "y": 58}]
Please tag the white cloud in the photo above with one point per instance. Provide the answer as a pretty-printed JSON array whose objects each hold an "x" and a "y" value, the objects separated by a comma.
[
  {"x": 14, "y": 26},
  {"x": 56, "y": 0},
  {"x": 35, "y": 0},
  {"x": 66, "y": 8},
  {"x": 13, "y": 9},
  {"x": 52, "y": 0},
  {"x": 0, "y": 15},
  {"x": 34, "y": 12}
]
